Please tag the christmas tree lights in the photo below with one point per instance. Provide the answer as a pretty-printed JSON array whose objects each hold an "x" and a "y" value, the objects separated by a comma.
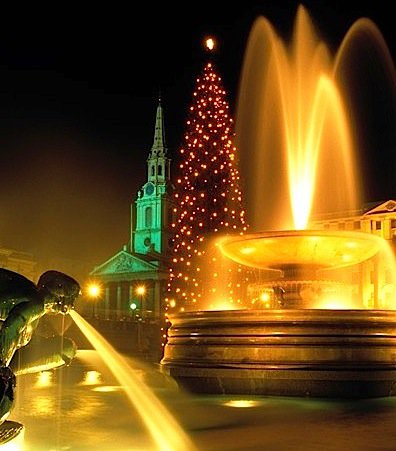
[{"x": 208, "y": 203}]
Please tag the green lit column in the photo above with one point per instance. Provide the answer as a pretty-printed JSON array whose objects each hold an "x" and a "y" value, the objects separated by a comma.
[
  {"x": 131, "y": 299},
  {"x": 118, "y": 305},
  {"x": 130, "y": 296},
  {"x": 107, "y": 302}
]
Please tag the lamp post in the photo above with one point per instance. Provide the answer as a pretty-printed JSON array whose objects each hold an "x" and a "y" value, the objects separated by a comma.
[
  {"x": 141, "y": 291},
  {"x": 93, "y": 290},
  {"x": 133, "y": 307}
]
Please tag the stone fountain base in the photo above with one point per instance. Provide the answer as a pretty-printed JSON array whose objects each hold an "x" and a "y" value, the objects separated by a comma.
[{"x": 318, "y": 353}]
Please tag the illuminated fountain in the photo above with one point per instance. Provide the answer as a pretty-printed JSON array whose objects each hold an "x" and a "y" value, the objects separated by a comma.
[
  {"x": 164, "y": 430},
  {"x": 296, "y": 144}
]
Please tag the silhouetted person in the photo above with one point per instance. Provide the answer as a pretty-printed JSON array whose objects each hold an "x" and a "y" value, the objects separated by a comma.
[{"x": 22, "y": 304}]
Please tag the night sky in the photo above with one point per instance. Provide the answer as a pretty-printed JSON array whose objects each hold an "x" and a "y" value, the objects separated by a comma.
[{"x": 78, "y": 93}]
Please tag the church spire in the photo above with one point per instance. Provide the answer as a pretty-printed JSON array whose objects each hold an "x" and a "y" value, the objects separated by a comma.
[
  {"x": 158, "y": 163},
  {"x": 159, "y": 145},
  {"x": 151, "y": 230}
]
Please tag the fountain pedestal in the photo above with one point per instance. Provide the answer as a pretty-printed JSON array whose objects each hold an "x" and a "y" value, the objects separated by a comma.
[
  {"x": 318, "y": 353},
  {"x": 293, "y": 351}
]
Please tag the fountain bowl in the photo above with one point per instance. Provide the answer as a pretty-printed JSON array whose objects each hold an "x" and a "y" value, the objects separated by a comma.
[
  {"x": 321, "y": 249},
  {"x": 294, "y": 352}
]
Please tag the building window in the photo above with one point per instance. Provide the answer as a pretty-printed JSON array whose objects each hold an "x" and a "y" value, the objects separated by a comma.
[
  {"x": 148, "y": 216},
  {"x": 159, "y": 169},
  {"x": 393, "y": 223},
  {"x": 377, "y": 225},
  {"x": 356, "y": 225},
  {"x": 152, "y": 170}
]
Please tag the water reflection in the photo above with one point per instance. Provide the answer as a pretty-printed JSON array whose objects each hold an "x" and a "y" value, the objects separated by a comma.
[
  {"x": 107, "y": 388},
  {"x": 92, "y": 419},
  {"x": 44, "y": 379},
  {"x": 44, "y": 405},
  {"x": 92, "y": 377},
  {"x": 163, "y": 428},
  {"x": 242, "y": 403},
  {"x": 87, "y": 419}
]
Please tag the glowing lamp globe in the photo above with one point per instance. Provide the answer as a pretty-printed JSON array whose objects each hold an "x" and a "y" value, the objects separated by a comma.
[{"x": 93, "y": 290}]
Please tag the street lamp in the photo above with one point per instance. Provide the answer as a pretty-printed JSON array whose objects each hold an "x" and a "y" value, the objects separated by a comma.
[
  {"x": 93, "y": 290},
  {"x": 133, "y": 307},
  {"x": 141, "y": 291}
]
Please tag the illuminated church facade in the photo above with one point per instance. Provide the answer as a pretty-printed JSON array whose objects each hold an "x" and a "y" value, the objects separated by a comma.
[{"x": 134, "y": 280}]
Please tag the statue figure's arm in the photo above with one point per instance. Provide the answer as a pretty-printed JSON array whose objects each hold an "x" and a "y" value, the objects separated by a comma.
[{"x": 23, "y": 316}]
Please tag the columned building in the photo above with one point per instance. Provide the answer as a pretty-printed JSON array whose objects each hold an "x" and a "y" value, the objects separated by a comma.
[
  {"x": 374, "y": 279},
  {"x": 134, "y": 280},
  {"x": 369, "y": 284},
  {"x": 20, "y": 262}
]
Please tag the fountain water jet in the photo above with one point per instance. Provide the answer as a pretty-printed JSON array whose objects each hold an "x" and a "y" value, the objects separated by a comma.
[
  {"x": 163, "y": 428},
  {"x": 292, "y": 122}
]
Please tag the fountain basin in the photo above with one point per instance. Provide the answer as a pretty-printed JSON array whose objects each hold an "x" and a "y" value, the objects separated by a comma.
[
  {"x": 318, "y": 353},
  {"x": 322, "y": 249}
]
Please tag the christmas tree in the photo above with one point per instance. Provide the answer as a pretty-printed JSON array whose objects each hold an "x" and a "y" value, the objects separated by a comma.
[{"x": 208, "y": 202}]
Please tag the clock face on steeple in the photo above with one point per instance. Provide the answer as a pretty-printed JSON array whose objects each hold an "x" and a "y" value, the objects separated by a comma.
[{"x": 149, "y": 189}]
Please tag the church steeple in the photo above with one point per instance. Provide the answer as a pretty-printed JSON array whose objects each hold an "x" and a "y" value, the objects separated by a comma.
[
  {"x": 144, "y": 260},
  {"x": 158, "y": 164},
  {"x": 151, "y": 230},
  {"x": 159, "y": 145}
]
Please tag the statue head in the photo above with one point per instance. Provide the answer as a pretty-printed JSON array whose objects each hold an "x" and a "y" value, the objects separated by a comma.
[{"x": 59, "y": 291}]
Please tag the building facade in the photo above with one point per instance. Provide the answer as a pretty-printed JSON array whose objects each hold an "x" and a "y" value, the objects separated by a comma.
[
  {"x": 20, "y": 262},
  {"x": 374, "y": 279},
  {"x": 133, "y": 281},
  {"x": 370, "y": 284}
]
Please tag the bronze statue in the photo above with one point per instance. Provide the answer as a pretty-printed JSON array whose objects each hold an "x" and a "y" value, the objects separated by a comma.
[{"x": 22, "y": 304}]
